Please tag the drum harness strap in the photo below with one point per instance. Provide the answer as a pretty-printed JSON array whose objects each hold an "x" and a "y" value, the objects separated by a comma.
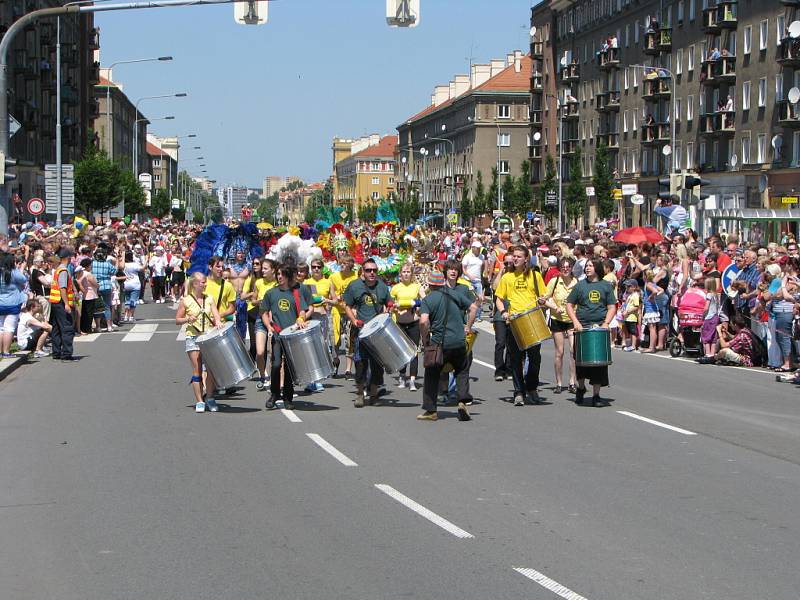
[{"x": 296, "y": 295}]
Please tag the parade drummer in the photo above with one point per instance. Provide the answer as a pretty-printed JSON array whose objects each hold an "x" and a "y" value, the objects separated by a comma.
[
  {"x": 522, "y": 290},
  {"x": 340, "y": 279},
  {"x": 323, "y": 297},
  {"x": 199, "y": 312},
  {"x": 591, "y": 303},
  {"x": 365, "y": 298},
  {"x": 407, "y": 295},
  {"x": 285, "y": 305}
]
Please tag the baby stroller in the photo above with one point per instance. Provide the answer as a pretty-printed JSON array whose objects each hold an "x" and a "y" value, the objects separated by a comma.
[{"x": 690, "y": 323}]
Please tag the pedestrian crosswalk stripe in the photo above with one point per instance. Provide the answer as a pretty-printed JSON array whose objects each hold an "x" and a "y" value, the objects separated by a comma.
[
  {"x": 141, "y": 332},
  {"x": 90, "y": 337},
  {"x": 182, "y": 334}
]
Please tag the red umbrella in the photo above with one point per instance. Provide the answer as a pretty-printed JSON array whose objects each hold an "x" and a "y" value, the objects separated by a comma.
[{"x": 638, "y": 235}]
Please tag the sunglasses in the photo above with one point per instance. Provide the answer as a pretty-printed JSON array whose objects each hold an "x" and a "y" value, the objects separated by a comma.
[
  {"x": 370, "y": 270},
  {"x": 316, "y": 266}
]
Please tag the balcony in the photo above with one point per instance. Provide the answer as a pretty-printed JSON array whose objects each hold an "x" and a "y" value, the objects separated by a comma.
[
  {"x": 94, "y": 108},
  {"x": 656, "y": 88},
  {"x": 718, "y": 70},
  {"x": 537, "y": 82},
  {"x": 571, "y": 110},
  {"x": 608, "y": 58},
  {"x": 536, "y": 116},
  {"x": 651, "y": 42},
  {"x": 789, "y": 52},
  {"x": 537, "y": 50},
  {"x": 93, "y": 74},
  {"x": 718, "y": 122},
  {"x": 607, "y": 101},
  {"x": 570, "y": 147},
  {"x": 536, "y": 152},
  {"x": 655, "y": 133},
  {"x": 571, "y": 73},
  {"x": 610, "y": 140},
  {"x": 788, "y": 114},
  {"x": 665, "y": 39},
  {"x": 69, "y": 95},
  {"x": 721, "y": 16}
]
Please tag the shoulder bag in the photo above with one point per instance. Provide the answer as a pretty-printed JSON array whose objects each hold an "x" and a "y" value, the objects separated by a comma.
[{"x": 433, "y": 354}]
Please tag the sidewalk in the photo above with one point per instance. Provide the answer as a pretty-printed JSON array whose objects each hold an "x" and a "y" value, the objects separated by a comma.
[{"x": 9, "y": 365}]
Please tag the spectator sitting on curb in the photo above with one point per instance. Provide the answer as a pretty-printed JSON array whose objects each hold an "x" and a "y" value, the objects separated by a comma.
[{"x": 32, "y": 331}]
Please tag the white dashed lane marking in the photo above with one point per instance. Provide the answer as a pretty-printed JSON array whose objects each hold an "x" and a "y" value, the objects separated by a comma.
[
  {"x": 550, "y": 584},
  {"x": 330, "y": 449},
  {"x": 289, "y": 414},
  {"x": 657, "y": 423},
  {"x": 424, "y": 512}
]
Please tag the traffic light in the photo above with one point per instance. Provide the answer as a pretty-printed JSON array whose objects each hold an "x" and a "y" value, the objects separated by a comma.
[
  {"x": 694, "y": 184},
  {"x": 250, "y": 12},
  {"x": 4, "y": 164},
  {"x": 670, "y": 186}
]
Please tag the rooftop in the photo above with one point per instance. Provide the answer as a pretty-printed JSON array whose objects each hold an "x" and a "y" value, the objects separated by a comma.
[{"x": 384, "y": 148}]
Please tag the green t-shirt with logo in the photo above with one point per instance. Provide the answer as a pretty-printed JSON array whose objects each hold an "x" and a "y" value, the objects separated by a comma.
[
  {"x": 283, "y": 305},
  {"x": 368, "y": 302},
  {"x": 591, "y": 300}
]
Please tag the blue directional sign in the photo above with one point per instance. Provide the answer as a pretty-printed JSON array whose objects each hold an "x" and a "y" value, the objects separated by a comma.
[{"x": 729, "y": 275}]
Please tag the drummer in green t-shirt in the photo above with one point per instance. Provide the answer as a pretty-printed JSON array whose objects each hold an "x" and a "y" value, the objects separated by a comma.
[
  {"x": 284, "y": 305},
  {"x": 591, "y": 303}
]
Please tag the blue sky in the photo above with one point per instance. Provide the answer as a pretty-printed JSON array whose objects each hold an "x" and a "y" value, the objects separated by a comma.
[{"x": 267, "y": 100}]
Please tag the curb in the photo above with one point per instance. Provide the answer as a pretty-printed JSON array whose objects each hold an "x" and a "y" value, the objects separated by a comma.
[{"x": 8, "y": 366}]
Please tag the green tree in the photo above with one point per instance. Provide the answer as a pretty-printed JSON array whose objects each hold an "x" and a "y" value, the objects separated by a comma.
[
  {"x": 130, "y": 191},
  {"x": 524, "y": 192},
  {"x": 96, "y": 181},
  {"x": 293, "y": 185},
  {"x": 266, "y": 208},
  {"x": 491, "y": 196},
  {"x": 465, "y": 207},
  {"x": 603, "y": 182},
  {"x": 509, "y": 195},
  {"x": 479, "y": 196},
  {"x": 367, "y": 211},
  {"x": 160, "y": 203},
  {"x": 550, "y": 184},
  {"x": 575, "y": 195}
]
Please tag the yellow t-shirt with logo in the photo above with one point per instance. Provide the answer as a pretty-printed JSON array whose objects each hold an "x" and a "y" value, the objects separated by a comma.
[
  {"x": 319, "y": 287},
  {"x": 262, "y": 287},
  {"x": 520, "y": 290},
  {"x": 558, "y": 290},
  {"x": 224, "y": 301},
  {"x": 632, "y": 308},
  {"x": 341, "y": 282}
]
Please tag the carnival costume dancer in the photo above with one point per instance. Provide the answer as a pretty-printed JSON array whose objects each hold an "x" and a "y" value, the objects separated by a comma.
[
  {"x": 387, "y": 260},
  {"x": 523, "y": 289},
  {"x": 591, "y": 302},
  {"x": 336, "y": 242},
  {"x": 365, "y": 299}
]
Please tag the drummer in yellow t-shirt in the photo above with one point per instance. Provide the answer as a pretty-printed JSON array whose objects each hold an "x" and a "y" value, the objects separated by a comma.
[
  {"x": 406, "y": 295},
  {"x": 523, "y": 289},
  {"x": 339, "y": 282},
  {"x": 220, "y": 290},
  {"x": 263, "y": 284},
  {"x": 323, "y": 297}
]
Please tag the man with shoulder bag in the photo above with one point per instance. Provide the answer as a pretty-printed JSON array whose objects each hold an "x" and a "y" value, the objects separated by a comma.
[{"x": 442, "y": 326}]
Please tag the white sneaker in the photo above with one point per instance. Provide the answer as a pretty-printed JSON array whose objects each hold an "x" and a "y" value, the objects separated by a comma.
[
  {"x": 200, "y": 407},
  {"x": 141, "y": 301},
  {"x": 412, "y": 385},
  {"x": 41, "y": 354},
  {"x": 402, "y": 383},
  {"x": 212, "y": 405}
]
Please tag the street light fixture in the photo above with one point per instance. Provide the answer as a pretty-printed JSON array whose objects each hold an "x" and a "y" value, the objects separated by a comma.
[
  {"x": 109, "y": 136},
  {"x": 136, "y": 128}
]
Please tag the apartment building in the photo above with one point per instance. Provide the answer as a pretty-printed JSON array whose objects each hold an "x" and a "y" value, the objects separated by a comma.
[
  {"x": 698, "y": 86},
  {"x": 366, "y": 171},
  {"x": 163, "y": 164},
  {"x": 31, "y": 80},
  {"x": 272, "y": 184},
  {"x": 232, "y": 198},
  {"x": 114, "y": 124},
  {"x": 475, "y": 123},
  {"x": 292, "y": 204}
]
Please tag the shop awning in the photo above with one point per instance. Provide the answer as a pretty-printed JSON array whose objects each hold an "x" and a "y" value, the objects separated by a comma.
[{"x": 752, "y": 214}]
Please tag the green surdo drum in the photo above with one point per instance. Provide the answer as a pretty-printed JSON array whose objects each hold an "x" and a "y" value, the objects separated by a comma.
[{"x": 593, "y": 347}]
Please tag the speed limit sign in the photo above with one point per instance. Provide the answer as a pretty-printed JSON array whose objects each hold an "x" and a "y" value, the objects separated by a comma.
[{"x": 35, "y": 206}]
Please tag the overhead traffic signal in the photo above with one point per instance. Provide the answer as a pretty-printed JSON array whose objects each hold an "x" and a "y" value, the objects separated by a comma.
[
  {"x": 694, "y": 185},
  {"x": 670, "y": 186},
  {"x": 5, "y": 163}
]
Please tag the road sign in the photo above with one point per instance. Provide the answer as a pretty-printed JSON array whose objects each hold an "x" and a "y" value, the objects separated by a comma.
[
  {"x": 35, "y": 206},
  {"x": 616, "y": 193},
  {"x": 629, "y": 189},
  {"x": 529, "y": 216},
  {"x": 64, "y": 168},
  {"x": 452, "y": 218},
  {"x": 146, "y": 181},
  {"x": 729, "y": 275},
  {"x": 13, "y": 125},
  {"x": 551, "y": 199},
  {"x": 589, "y": 190}
]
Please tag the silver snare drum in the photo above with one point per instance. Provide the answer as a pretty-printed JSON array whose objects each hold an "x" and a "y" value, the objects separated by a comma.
[
  {"x": 387, "y": 343},
  {"x": 307, "y": 353},
  {"x": 225, "y": 356}
]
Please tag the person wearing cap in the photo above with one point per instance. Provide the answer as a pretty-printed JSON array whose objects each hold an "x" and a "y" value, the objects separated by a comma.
[
  {"x": 630, "y": 314},
  {"x": 158, "y": 269},
  {"x": 472, "y": 267},
  {"x": 62, "y": 307},
  {"x": 524, "y": 290},
  {"x": 442, "y": 323}
]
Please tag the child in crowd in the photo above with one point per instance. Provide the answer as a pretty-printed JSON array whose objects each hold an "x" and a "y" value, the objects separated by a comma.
[
  {"x": 711, "y": 312},
  {"x": 32, "y": 330},
  {"x": 630, "y": 315}
]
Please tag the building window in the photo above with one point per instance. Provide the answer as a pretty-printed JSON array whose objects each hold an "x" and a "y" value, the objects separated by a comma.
[
  {"x": 701, "y": 158},
  {"x": 702, "y": 99},
  {"x": 375, "y": 195},
  {"x": 748, "y": 39},
  {"x": 391, "y": 180},
  {"x": 678, "y": 109},
  {"x": 635, "y": 78},
  {"x": 636, "y": 33},
  {"x": 626, "y": 76},
  {"x": 504, "y": 139},
  {"x": 746, "y": 149},
  {"x": 680, "y": 12},
  {"x": 625, "y": 122},
  {"x": 503, "y": 111},
  {"x": 679, "y": 62},
  {"x": 627, "y": 36},
  {"x": 780, "y": 23},
  {"x": 691, "y": 10},
  {"x": 689, "y": 108},
  {"x": 795, "y": 149},
  {"x": 762, "y": 148},
  {"x": 763, "y": 35},
  {"x": 678, "y": 156},
  {"x": 504, "y": 167},
  {"x": 746, "y": 95},
  {"x": 778, "y": 87},
  {"x": 157, "y": 177},
  {"x": 690, "y": 59},
  {"x": 690, "y": 155},
  {"x": 762, "y": 92},
  {"x": 376, "y": 181}
]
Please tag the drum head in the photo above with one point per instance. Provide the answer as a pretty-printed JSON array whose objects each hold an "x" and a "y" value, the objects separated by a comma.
[
  {"x": 375, "y": 324},
  {"x": 212, "y": 333},
  {"x": 295, "y": 330}
]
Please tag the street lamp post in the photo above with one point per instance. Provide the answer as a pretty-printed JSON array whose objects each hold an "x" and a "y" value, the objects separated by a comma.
[
  {"x": 424, "y": 153},
  {"x": 452, "y": 168},
  {"x": 136, "y": 126},
  {"x": 109, "y": 133}
]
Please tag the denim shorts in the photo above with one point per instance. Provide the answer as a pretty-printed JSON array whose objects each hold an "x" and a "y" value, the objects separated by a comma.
[
  {"x": 191, "y": 344},
  {"x": 131, "y": 298},
  {"x": 8, "y": 323},
  {"x": 260, "y": 327}
]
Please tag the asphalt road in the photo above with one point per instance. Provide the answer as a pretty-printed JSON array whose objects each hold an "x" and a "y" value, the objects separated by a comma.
[{"x": 113, "y": 488}]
